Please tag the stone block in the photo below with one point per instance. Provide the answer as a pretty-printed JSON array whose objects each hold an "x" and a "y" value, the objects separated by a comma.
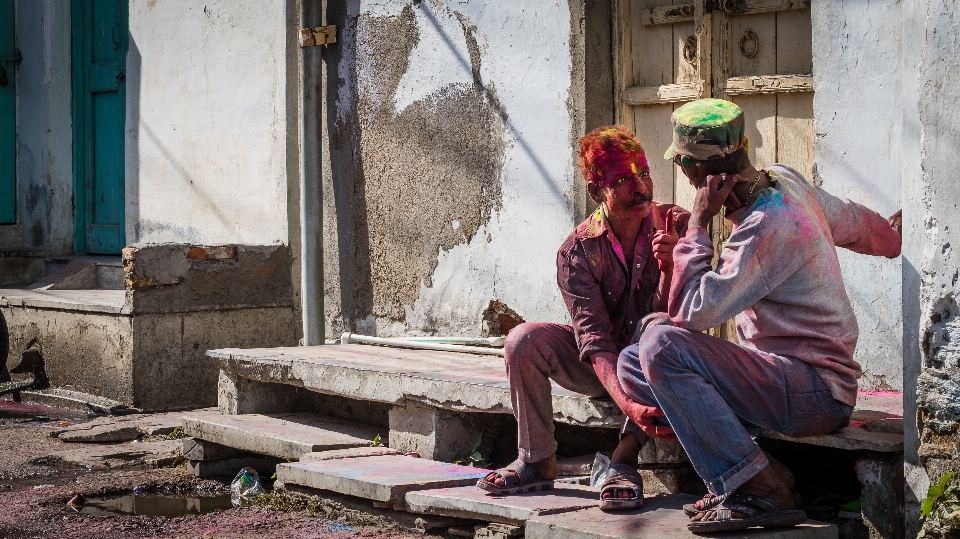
[
  {"x": 497, "y": 531},
  {"x": 101, "y": 434},
  {"x": 266, "y": 466},
  {"x": 471, "y": 502},
  {"x": 349, "y": 453},
  {"x": 381, "y": 479},
  {"x": 434, "y": 433},
  {"x": 674, "y": 480},
  {"x": 278, "y": 435},
  {"x": 662, "y": 452},
  {"x": 661, "y": 517},
  {"x": 576, "y": 466},
  {"x": 881, "y": 498},
  {"x": 195, "y": 449}
]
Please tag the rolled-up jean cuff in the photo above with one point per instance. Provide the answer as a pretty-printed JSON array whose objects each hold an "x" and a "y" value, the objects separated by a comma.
[
  {"x": 629, "y": 427},
  {"x": 739, "y": 474}
]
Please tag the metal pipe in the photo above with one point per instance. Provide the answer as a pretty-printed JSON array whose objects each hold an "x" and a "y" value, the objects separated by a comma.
[
  {"x": 469, "y": 341},
  {"x": 311, "y": 193},
  {"x": 350, "y": 338}
]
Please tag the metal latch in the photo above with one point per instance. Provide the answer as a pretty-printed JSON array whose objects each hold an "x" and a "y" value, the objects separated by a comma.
[{"x": 318, "y": 35}]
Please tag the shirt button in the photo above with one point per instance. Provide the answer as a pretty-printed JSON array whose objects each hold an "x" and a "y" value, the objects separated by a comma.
[
  {"x": 638, "y": 265},
  {"x": 609, "y": 293}
]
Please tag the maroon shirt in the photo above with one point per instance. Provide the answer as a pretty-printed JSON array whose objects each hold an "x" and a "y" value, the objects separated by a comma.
[{"x": 607, "y": 297}]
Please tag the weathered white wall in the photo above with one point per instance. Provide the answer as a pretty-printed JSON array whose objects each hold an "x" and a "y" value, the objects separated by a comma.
[
  {"x": 511, "y": 59},
  {"x": 858, "y": 119},
  {"x": 44, "y": 148},
  {"x": 208, "y": 145}
]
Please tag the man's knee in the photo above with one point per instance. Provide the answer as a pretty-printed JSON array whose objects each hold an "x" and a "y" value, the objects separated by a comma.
[
  {"x": 524, "y": 340},
  {"x": 657, "y": 344}
]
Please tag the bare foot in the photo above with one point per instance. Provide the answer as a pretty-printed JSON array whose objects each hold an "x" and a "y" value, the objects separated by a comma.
[
  {"x": 627, "y": 452},
  {"x": 775, "y": 482}
]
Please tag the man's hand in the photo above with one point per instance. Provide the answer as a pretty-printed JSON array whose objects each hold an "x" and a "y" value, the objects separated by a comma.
[
  {"x": 711, "y": 194},
  {"x": 644, "y": 417},
  {"x": 663, "y": 243},
  {"x": 896, "y": 222},
  {"x": 605, "y": 365}
]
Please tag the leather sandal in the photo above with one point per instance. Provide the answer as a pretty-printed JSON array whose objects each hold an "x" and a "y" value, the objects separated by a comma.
[
  {"x": 759, "y": 511},
  {"x": 624, "y": 478},
  {"x": 518, "y": 477}
]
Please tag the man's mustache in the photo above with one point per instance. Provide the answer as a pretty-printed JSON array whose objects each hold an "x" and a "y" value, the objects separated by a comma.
[{"x": 641, "y": 199}]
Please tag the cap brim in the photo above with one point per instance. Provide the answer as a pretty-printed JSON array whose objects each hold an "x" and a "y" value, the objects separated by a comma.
[{"x": 670, "y": 153}]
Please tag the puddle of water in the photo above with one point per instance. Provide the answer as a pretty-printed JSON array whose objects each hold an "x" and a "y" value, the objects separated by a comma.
[
  {"x": 25, "y": 414},
  {"x": 156, "y": 505}
]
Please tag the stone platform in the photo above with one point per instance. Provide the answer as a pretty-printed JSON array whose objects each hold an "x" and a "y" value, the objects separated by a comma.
[{"x": 288, "y": 436}]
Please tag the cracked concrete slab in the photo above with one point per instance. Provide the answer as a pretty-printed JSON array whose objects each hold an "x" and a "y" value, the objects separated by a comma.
[
  {"x": 449, "y": 380},
  {"x": 278, "y": 435},
  {"x": 381, "y": 479},
  {"x": 661, "y": 517},
  {"x": 158, "y": 453},
  {"x": 121, "y": 428},
  {"x": 349, "y": 453},
  {"x": 471, "y": 502}
]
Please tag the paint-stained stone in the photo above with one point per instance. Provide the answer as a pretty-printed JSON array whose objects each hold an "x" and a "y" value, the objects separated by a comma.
[
  {"x": 381, "y": 479},
  {"x": 278, "y": 435},
  {"x": 660, "y": 518},
  {"x": 355, "y": 452},
  {"x": 471, "y": 502}
]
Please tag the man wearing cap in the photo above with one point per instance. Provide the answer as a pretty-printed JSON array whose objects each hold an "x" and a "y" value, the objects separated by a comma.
[
  {"x": 778, "y": 274},
  {"x": 613, "y": 272}
]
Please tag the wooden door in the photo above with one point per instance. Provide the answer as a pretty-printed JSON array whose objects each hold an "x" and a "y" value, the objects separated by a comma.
[
  {"x": 100, "y": 49},
  {"x": 756, "y": 53},
  {"x": 8, "y": 114}
]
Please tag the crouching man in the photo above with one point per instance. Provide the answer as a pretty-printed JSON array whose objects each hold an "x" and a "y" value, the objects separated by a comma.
[
  {"x": 793, "y": 371},
  {"x": 613, "y": 270}
]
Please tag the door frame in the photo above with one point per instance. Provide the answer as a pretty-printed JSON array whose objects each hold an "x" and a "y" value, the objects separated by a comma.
[
  {"x": 10, "y": 64},
  {"x": 81, "y": 48}
]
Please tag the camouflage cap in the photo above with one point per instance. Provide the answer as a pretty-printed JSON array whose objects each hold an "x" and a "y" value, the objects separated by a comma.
[{"x": 706, "y": 129}]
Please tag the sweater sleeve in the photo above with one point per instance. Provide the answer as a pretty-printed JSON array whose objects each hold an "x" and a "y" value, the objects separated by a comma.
[
  {"x": 858, "y": 228},
  {"x": 751, "y": 265}
]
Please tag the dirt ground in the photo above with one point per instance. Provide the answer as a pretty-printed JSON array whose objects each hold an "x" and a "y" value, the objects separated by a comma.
[{"x": 35, "y": 486}]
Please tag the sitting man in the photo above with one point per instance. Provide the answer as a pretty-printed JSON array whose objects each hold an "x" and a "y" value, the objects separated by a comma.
[
  {"x": 612, "y": 271},
  {"x": 793, "y": 371}
]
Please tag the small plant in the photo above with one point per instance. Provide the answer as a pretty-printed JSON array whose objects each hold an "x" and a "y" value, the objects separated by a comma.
[
  {"x": 376, "y": 442},
  {"x": 941, "y": 508},
  {"x": 176, "y": 434},
  {"x": 473, "y": 458}
]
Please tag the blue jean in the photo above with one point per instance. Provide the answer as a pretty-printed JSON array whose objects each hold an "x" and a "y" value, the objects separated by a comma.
[{"x": 708, "y": 387}]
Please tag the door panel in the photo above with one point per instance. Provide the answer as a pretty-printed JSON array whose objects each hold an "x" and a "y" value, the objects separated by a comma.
[
  {"x": 100, "y": 45},
  {"x": 8, "y": 116}
]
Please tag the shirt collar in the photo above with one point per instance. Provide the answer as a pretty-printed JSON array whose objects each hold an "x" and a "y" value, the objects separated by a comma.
[
  {"x": 738, "y": 216},
  {"x": 593, "y": 227}
]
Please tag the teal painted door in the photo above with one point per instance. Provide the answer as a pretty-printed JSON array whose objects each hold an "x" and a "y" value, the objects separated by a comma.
[
  {"x": 8, "y": 116},
  {"x": 99, "y": 65}
]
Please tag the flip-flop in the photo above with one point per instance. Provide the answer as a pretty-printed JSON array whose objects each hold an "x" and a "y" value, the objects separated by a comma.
[
  {"x": 760, "y": 511},
  {"x": 709, "y": 501},
  {"x": 518, "y": 477},
  {"x": 624, "y": 478}
]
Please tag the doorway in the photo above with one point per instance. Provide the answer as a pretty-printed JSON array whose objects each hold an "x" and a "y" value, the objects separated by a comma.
[
  {"x": 8, "y": 114},
  {"x": 100, "y": 43}
]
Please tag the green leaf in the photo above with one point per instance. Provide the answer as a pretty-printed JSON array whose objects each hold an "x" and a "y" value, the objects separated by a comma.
[
  {"x": 476, "y": 456},
  {"x": 933, "y": 495},
  {"x": 376, "y": 442},
  {"x": 274, "y": 476}
]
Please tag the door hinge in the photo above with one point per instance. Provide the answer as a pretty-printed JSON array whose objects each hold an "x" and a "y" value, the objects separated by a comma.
[
  {"x": 16, "y": 58},
  {"x": 318, "y": 35}
]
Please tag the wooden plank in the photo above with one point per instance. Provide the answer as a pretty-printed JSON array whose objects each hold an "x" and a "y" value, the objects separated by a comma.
[
  {"x": 720, "y": 51},
  {"x": 652, "y": 53},
  {"x": 795, "y": 133},
  {"x": 684, "y": 71},
  {"x": 763, "y": 45},
  {"x": 666, "y": 14},
  {"x": 771, "y": 84},
  {"x": 760, "y": 114},
  {"x": 754, "y": 7},
  {"x": 794, "y": 42},
  {"x": 622, "y": 64},
  {"x": 655, "y": 133},
  {"x": 666, "y": 93},
  {"x": 703, "y": 30}
]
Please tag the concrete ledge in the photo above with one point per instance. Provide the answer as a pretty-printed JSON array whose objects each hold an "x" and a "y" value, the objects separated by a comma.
[
  {"x": 661, "y": 517},
  {"x": 471, "y": 502},
  {"x": 384, "y": 479},
  {"x": 279, "y": 435},
  {"x": 448, "y": 380}
]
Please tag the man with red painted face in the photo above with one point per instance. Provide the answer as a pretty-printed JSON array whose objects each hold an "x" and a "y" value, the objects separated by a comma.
[
  {"x": 792, "y": 370},
  {"x": 614, "y": 274}
]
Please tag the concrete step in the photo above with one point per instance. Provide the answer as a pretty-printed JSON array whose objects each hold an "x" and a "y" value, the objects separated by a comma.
[
  {"x": 286, "y": 436},
  {"x": 471, "y": 502},
  {"x": 660, "y": 517},
  {"x": 385, "y": 479}
]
